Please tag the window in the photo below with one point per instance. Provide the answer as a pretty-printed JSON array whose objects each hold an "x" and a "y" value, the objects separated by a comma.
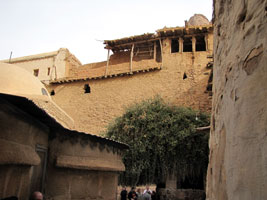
[
  {"x": 52, "y": 93},
  {"x": 200, "y": 43},
  {"x": 187, "y": 44},
  {"x": 175, "y": 46},
  {"x": 87, "y": 88},
  {"x": 35, "y": 72},
  {"x": 48, "y": 71}
]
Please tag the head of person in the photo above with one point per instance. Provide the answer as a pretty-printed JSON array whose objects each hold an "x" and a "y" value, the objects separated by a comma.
[
  {"x": 133, "y": 188},
  {"x": 37, "y": 196}
]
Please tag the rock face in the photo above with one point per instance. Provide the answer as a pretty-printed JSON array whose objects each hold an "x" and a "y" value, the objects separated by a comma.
[
  {"x": 238, "y": 140},
  {"x": 198, "y": 20}
]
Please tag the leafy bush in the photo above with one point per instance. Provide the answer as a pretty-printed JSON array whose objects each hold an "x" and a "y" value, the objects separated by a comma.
[{"x": 162, "y": 139}]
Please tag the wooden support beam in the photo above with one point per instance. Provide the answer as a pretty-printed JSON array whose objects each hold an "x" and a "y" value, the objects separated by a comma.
[
  {"x": 131, "y": 60},
  {"x": 106, "y": 72},
  {"x": 155, "y": 50},
  {"x": 161, "y": 49}
]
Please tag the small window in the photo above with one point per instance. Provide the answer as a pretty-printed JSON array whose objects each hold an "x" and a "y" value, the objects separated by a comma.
[
  {"x": 187, "y": 44},
  {"x": 200, "y": 43},
  {"x": 175, "y": 46},
  {"x": 48, "y": 71},
  {"x": 35, "y": 72},
  {"x": 52, "y": 93},
  {"x": 87, "y": 88},
  {"x": 44, "y": 92},
  {"x": 184, "y": 76}
]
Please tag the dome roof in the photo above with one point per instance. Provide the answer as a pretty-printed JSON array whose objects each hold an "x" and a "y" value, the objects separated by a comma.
[
  {"x": 17, "y": 81},
  {"x": 198, "y": 20}
]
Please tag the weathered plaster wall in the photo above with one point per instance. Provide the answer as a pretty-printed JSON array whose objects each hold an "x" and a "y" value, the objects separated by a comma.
[
  {"x": 50, "y": 65},
  {"x": 238, "y": 142},
  {"x": 18, "y": 137},
  {"x": 93, "y": 111},
  {"x": 67, "y": 155},
  {"x": 118, "y": 63},
  {"x": 42, "y": 65}
]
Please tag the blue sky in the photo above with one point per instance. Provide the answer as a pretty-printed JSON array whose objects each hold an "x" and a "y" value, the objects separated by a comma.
[{"x": 37, "y": 26}]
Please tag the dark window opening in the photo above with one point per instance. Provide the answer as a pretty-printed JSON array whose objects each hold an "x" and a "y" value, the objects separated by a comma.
[
  {"x": 175, "y": 46},
  {"x": 35, "y": 72},
  {"x": 200, "y": 43},
  {"x": 158, "y": 52},
  {"x": 187, "y": 45},
  {"x": 52, "y": 93},
  {"x": 185, "y": 76},
  {"x": 39, "y": 171},
  {"x": 48, "y": 70},
  {"x": 87, "y": 88}
]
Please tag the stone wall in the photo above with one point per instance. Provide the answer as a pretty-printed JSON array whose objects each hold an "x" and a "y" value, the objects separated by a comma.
[
  {"x": 18, "y": 139},
  {"x": 182, "y": 81},
  {"x": 238, "y": 142},
  {"x": 79, "y": 168},
  {"x": 180, "y": 194}
]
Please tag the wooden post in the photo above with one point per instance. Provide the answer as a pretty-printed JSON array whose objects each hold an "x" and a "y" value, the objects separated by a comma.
[
  {"x": 155, "y": 50},
  {"x": 161, "y": 49},
  {"x": 206, "y": 42},
  {"x": 194, "y": 44},
  {"x": 131, "y": 60},
  {"x": 106, "y": 72},
  {"x": 181, "y": 45}
]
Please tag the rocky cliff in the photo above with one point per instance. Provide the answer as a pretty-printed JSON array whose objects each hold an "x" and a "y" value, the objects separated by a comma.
[{"x": 238, "y": 140}]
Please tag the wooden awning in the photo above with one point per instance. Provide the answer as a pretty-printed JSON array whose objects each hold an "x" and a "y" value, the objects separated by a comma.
[
  {"x": 183, "y": 31},
  {"x": 126, "y": 43}
]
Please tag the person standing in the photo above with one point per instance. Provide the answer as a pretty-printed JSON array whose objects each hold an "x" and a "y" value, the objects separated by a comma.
[
  {"x": 124, "y": 193},
  {"x": 130, "y": 195}
]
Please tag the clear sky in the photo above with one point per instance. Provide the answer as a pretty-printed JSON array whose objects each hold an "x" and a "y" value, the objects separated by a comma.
[{"x": 37, "y": 26}]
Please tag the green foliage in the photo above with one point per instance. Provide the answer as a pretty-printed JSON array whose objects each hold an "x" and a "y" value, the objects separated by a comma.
[{"x": 162, "y": 139}]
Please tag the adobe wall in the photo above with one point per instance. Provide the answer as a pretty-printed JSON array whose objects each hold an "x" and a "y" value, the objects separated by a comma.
[
  {"x": 238, "y": 142},
  {"x": 50, "y": 65},
  {"x": 118, "y": 63},
  {"x": 82, "y": 169},
  {"x": 18, "y": 138},
  {"x": 92, "y": 112},
  {"x": 41, "y": 64}
]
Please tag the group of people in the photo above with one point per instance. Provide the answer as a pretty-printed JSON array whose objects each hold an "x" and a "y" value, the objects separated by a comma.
[{"x": 137, "y": 195}]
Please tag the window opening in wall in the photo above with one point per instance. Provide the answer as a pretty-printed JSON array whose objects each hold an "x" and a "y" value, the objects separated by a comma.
[
  {"x": 48, "y": 70},
  {"x": 87, "y": 88},
  {"x": 175, "y": 46},
  {"x": 44, "y": 92},
  {"x": 39, "y": 171},
  {"x": 185, "y": 76},
  {"x": 187, "y": 44},
  {"x": 52, "y": 93},
  {"x": 200, "y": 43},
  {"x": 35, "y": 72}
]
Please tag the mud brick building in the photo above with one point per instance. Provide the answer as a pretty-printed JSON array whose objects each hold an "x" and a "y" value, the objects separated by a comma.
[
  {"x": 47, "y": 66},
  {"x": 40, "y": 150},
  {"x": 171, "y": 63}
]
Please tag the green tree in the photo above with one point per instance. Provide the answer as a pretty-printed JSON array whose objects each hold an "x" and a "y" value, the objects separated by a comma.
[{"x": 162, "y": 139}]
